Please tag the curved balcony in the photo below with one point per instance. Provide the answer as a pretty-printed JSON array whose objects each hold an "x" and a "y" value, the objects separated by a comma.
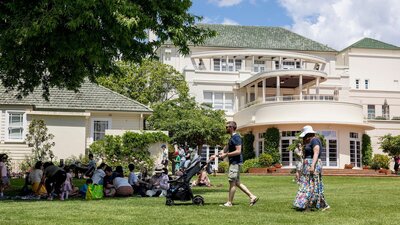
[
  {"x": 309, "y": 109},
  {"x": 292, "y": 74}
]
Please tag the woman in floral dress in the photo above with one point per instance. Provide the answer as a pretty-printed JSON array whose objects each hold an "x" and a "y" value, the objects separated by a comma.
[{"x": 311, "y": 188}]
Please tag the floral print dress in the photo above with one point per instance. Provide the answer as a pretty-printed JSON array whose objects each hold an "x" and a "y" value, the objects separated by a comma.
[{"x": 311, "y": 187}]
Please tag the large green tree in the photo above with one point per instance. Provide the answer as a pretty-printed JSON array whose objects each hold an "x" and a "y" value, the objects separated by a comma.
[
  {"x": 148, "y": 83},
  {"x": 58, "y": 43},
  {"x": 189, "y": 122},
  {"x": 390, "y": 144}
]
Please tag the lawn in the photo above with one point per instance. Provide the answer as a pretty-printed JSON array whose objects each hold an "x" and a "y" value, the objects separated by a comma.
[{"x": 353, "y": 200}]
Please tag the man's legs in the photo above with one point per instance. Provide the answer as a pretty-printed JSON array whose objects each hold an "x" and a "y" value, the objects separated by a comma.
[
  {"x": 246, "y": 191},
  {"x": 232, "y": 190}
]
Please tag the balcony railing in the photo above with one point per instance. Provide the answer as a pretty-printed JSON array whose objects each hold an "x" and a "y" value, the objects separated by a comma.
[{"x": 292, "y": 98}]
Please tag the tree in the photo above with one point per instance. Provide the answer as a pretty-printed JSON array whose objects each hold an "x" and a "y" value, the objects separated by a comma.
[
  {"x": 188, "y": 122},
  {"x": 40, "y": 141},
  {"x": 366, "y": 150},
  {"x": 390, "y": 144},
  {"x": 148, "y": 83},
  {"x": 56, "y": 43}
]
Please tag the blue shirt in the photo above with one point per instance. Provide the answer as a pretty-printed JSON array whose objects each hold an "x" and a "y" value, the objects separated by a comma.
[
  {"x": 309, "y": 148},
  {"x": 233, "y": 142}
]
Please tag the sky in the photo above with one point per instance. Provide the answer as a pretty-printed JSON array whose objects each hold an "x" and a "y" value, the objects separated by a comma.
[{"x": 336, "y": 23}]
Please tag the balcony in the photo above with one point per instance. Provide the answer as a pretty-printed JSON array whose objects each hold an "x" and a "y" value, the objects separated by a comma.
[{"x": 306, "y": 109}]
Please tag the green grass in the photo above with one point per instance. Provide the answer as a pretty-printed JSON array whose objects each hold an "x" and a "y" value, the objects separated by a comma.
[{"x": 353, "y": 200}]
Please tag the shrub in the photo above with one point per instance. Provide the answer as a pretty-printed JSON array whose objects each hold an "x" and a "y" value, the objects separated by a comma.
[
  {"x": 271, "y": 143},
  {"x": 223, "y": 167},
  {"x": 265, "y": 160},
  {"x": 396, "y": 118},
  {"x": 380, "y": 161},
  {"x": 380, "y": 118},
  {"x": 250, "y": 163},
  {"x": 248, "y": 149}
]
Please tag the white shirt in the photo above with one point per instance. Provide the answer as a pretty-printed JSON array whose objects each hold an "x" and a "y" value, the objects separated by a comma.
[
  {"x": 132, "y": 179},
  {"x": 121, "y": 182},
  {"x": 98, "y": 176},
  {"x": 36, "y": 175}
]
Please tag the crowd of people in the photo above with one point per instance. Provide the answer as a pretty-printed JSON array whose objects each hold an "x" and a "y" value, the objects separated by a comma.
[{"x": 49, "y": 180}]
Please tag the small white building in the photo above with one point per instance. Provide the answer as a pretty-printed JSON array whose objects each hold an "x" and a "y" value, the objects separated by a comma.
[
  {"x": 271, "y": 77},
  {"x": 75, "y": 119}
]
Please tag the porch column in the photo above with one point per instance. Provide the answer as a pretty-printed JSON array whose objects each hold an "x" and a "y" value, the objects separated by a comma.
[
  {"x": 256, "y": 91},
  {"x": 248, "y": 94},
  {"x": 252, "y": 64},
  {"x": 317, "y": 84},
  {"x": 301, "y": 87},
  {"x": 264, "y": 86},
  {"x": 280, "y": 62},
  {"x": 278, "y": 88}
]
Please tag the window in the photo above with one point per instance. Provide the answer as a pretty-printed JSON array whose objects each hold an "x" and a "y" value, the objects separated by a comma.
[
  {"x": 353, "y": 135},
  {"x": 259, "y": 66},
  {"x": 167, "y": 55},
  {"x": 99, "y": 128},
  {"x": 288, "y": 65},
  {"x": 366, "y": 84},
  {"x": 220, "y": 100},
  {"x": 16, "y": 122},
  {"x": 371, "y": 111},
  {"x": 357, "y": 84},
  {"x": 231, "y": 65},
  {"x": 385, "y": 111}
]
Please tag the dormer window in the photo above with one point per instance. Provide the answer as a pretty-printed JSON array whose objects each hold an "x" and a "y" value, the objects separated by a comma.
[
  {"x": 259, "y": 66},
  {"x": 231, "y": 65}
]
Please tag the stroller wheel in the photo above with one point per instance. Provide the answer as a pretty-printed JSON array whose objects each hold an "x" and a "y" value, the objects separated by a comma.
[
  {"x": 169, "y": 202},
  {"x": 198, "y": 200}
]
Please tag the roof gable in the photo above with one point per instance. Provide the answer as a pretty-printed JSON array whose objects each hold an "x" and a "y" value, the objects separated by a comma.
[
  {"x": 372, "y": 44},
  {"x": 258, "y": 37},
  {"x": 90, "y": 97}
]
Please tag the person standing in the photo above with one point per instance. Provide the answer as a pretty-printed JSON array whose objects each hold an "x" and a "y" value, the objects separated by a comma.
[
  {"x": 311, "y": 188},
  {"x": 233, "y": 150}
]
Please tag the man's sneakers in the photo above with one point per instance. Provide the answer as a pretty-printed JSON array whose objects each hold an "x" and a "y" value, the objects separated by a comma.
[
  {"x": 326, "y": 208},
  {"x": 254, "y": 200},
  {"x": 228, "y": 204}
]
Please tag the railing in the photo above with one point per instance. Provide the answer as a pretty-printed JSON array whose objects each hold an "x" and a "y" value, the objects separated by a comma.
[{"x": 291, "y": 98}]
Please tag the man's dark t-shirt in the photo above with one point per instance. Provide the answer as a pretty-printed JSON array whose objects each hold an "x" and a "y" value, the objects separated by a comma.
[{"x": 233, "y": 142}]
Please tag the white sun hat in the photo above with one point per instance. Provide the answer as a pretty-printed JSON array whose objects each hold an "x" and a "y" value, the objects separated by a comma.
[{"x": 307, "y": 130}]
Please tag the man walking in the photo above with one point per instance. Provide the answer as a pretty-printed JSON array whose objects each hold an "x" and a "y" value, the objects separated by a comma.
[{"x": 234, "y": 152}]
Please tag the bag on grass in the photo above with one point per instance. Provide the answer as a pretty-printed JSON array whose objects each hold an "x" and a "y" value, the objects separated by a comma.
[{"x": 94, "y": 192}]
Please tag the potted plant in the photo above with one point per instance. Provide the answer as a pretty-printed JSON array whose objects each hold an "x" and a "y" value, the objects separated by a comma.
[
  {"x": 278, "y": 165},
  {"x": 348, "y": 166}
]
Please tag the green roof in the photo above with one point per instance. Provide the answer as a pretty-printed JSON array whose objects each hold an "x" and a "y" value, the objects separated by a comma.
[
  {"x": 90, "y": 97},
  {"x": 258, "y": 37},
  {"x": 373, "y": 44}
]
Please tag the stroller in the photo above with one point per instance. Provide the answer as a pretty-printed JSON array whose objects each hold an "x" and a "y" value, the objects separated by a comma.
[{"x": 180, "y": 188}]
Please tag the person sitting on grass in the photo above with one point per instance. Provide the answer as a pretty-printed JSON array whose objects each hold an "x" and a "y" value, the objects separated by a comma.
[
  {"x": 53, "y": 178},
  {"x": 35, "y": 177},
  {"x": 133, "y": 179},
  {"x": 99, "y": 174},
  {"x": 109, "y": 189},
  {"x": 202, "y": 179},
  {"x": 158, "y": 184},
  {"x": 84, "y": 188},
  {"x": 121, "y": 185},
  {"x": 4, "y": 180}
]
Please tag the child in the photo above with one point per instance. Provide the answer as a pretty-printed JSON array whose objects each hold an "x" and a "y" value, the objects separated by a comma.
[
  {"x": 298, "y": 154},
  {"x": 91, "y": 166},
  {"x": 4, "y": 181},
  {"x": 67, "y": 186},
  {"x": 177, "y": 161},
  {"x": 99, "y": 174},
  {"x": 133, "y": 179},
  {"x": 85, "y": 187}
]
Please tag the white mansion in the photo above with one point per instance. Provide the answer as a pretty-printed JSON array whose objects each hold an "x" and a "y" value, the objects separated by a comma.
[{"x": 271, "y": 77}]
